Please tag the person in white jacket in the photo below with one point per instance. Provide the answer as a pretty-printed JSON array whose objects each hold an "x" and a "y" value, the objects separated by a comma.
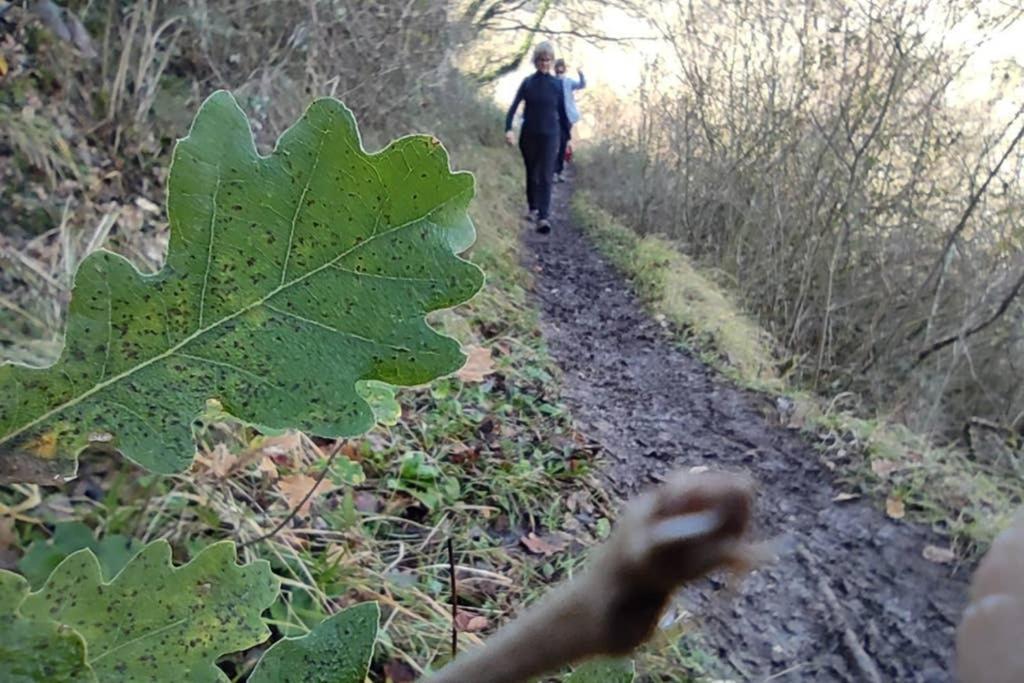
[{"x": 568, "y": 86}]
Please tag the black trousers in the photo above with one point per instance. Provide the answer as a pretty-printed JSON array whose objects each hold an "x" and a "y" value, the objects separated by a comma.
[
  {"x": 539, "y": 152},
  {"x": 562, "y": 144}
]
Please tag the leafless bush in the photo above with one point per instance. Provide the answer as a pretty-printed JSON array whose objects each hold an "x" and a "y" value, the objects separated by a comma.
[{"x": 813, "y": 151}]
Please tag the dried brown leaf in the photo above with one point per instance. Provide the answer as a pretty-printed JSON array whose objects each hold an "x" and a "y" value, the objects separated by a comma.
[
  {"x": 883, "y": 468},
  {"x": 894, "y": 508},
  {"x": 350, "y": 449},
  {"x": 478, "y": 365},
  {"x": 222, "y": 461},
  {"x": 934, "y": 553},
  {"x": 461, "y": 453},
  {"x": 270, "y": 447},
  {"x": 546, "y": 546},
  {"x": 294, "y": 488},
  {"x": 268, "y": 467},
  {"x": 467, "y": 622}
]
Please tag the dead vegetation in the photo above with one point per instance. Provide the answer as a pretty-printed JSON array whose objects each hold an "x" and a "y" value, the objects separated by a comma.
[{"x": 816, "y": 155}]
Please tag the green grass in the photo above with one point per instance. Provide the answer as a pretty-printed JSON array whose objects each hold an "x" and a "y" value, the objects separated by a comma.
[
  {"x": 702, "y": 313},
  {"x": 968, "y": 496}
]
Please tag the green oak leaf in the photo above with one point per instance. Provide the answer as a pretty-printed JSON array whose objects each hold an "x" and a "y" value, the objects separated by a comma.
[
  {"x": 154, "y": 617},
  {"x": 36, "y": 650},
  {"x": 338, "y": 650},
  {"x": 42, "y": 557},
  {"x": 289, "y": 278},
  {"x": 603, "y": 671}
]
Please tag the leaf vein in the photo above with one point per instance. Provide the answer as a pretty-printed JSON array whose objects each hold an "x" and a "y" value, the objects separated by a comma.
[
  {"x": 298, "y": 208},
  {"x": 381, "y": 276},
  {"x": 141, "y": 418},
  {"x": 209, "y": 255},
  {"x": 132, "y": 641},
  {"x": 230, "y": 366},
  {"x": 99, "y": 386},
  {"x": 325, "y": 326}
]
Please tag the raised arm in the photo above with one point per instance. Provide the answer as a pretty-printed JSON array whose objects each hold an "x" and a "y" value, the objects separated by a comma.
[{"x": 580, "y": 84}]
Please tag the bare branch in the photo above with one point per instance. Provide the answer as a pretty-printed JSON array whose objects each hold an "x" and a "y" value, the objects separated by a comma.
[
  {"x": 999, "y": 312},
  {"x": 309, "y": 494},
  {"x": 971, "y": 205},
  {"x": 512, "y": 25}
]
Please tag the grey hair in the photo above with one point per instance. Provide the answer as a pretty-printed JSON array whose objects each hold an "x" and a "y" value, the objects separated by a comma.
[{"x": 544, "y": 49}]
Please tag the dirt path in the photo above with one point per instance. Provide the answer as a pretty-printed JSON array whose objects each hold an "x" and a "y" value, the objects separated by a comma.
[{"x": 852, "y": 599}]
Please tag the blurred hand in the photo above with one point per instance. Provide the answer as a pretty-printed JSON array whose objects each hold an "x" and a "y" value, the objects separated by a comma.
[
  {"x": 988, "y": 638},
  {"x": 510, "y": 137},
  {"x": 691, "y": 525}
]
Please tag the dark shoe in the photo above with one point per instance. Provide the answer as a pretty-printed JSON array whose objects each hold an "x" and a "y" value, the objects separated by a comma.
[
  {"x": 531, "y": 215},
  {"x": 543, "y": 226}
]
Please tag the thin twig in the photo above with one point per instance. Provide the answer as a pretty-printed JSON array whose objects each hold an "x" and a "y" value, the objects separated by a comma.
[
  {"x": 309, "y": 494},
  {"x": 861, "y": 658},
  {"x": 1003, "y": 307},
  {"x": 585, "y": 35},
  {"x": 971, "y": 204},
  {"x": 455, "y": 599}
]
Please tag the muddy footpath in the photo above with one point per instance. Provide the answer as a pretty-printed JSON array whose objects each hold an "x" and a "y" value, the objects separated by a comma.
[{"x": 851, "y": 598}]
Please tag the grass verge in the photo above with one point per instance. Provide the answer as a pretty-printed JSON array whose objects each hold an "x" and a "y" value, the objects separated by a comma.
[{"x": 968, "y": 493}]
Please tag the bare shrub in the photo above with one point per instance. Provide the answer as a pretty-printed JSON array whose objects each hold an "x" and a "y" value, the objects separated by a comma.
[{"x": 814, "y": 153}]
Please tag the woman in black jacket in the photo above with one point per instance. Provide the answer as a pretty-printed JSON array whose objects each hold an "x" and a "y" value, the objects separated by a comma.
[{"x": 544, "y": 120}]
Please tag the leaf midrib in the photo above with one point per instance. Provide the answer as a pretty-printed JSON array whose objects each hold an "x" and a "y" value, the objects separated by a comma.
[
  {"x": 203, "y": 330},
  {"x": 143, "y": 636}
]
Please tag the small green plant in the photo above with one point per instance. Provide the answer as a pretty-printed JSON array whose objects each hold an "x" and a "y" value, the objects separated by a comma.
[{"x": 603, "y": 671}]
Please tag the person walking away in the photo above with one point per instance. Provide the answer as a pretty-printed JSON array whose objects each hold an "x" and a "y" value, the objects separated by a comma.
[
  {"x": 568, "y": 86},
  {"x": 544, "y": 119}
]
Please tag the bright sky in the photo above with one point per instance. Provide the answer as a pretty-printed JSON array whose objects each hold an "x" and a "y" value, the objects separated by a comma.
[
  {"x": 614, "y": 65},
  {"x": 977, "y": 80},
  {"x": 618, "y": 66}
]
